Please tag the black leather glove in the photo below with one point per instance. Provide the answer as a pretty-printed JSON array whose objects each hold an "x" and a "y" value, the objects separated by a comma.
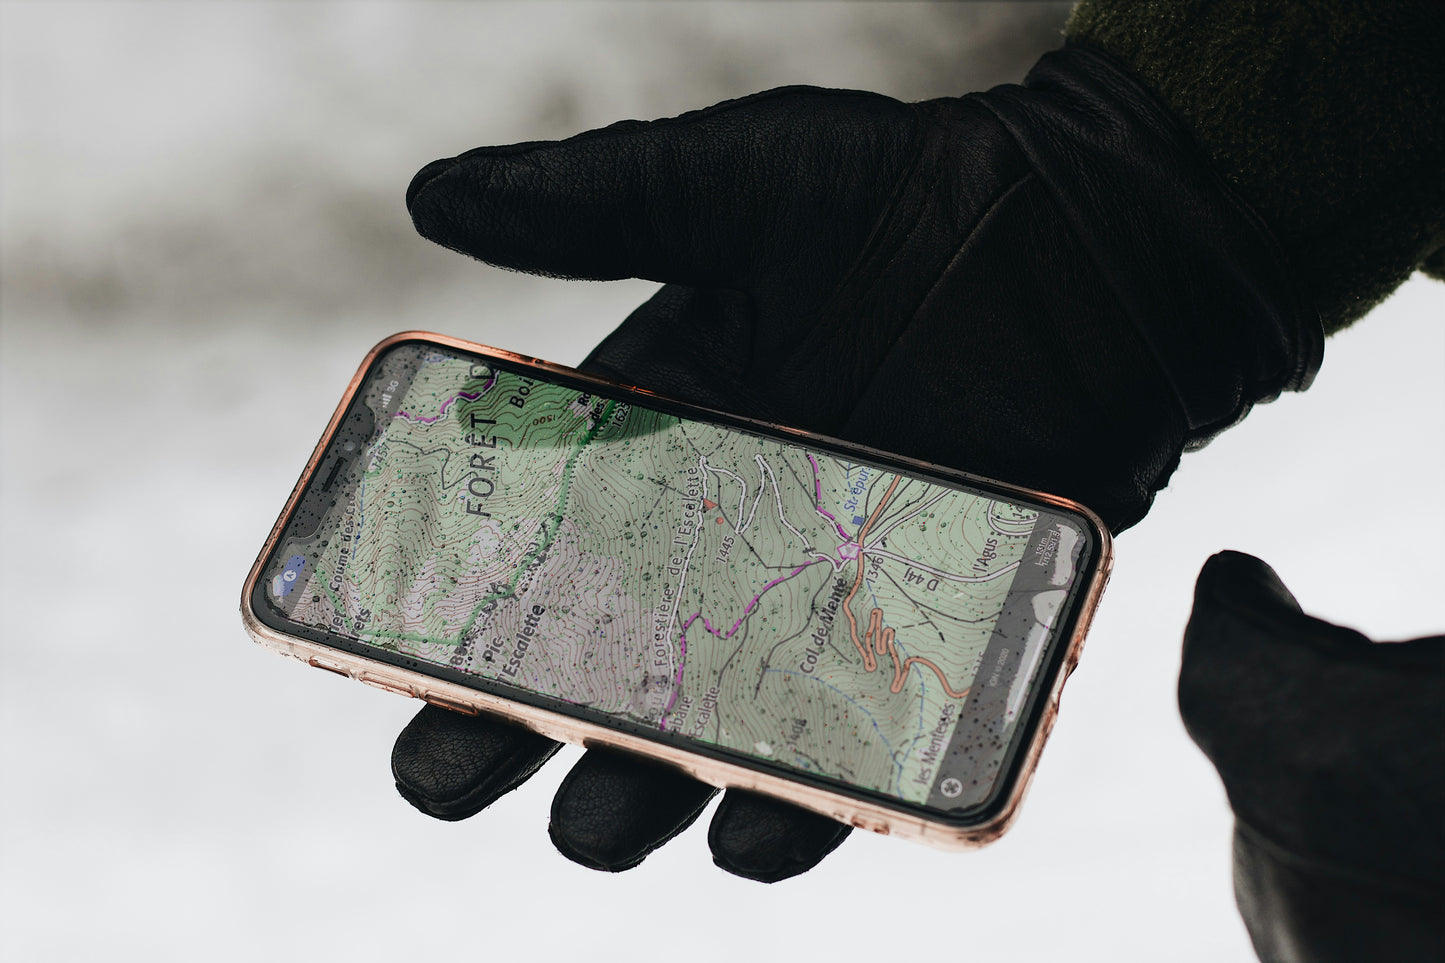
[
  {"x": 1332, "y": 750},
  {"x": 1042, "y": 283}
]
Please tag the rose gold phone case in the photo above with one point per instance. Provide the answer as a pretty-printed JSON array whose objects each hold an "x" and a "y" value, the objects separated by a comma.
[{"x": 875, "y": 816}]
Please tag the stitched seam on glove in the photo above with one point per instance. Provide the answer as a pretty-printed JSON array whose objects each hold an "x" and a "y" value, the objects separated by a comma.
[{"x": 923, "y": 302}]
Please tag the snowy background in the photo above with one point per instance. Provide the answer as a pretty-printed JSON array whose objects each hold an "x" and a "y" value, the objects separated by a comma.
[{"x": 202, "y": 232}]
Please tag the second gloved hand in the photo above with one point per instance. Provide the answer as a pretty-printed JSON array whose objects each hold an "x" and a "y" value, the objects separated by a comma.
[{"x": 1332, "y": 750}]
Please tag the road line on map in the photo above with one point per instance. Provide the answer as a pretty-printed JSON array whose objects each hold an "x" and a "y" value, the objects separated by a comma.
[
  {"x": 913, "y": 514},
  {"x": 869, "y": 662},
  {"x": 877, "y": 638},
  {"x": 882, "y": 638},
  {"x": 950, "y": 576},
  {"x": 836, "y": 563},
  {"x": 441, "y": 412},
  {"x": 757, "y": 500},
  {"x": 742, "y": 501},
  {"x": 778, "y": 497},
  {"x": 818, "y": 499},
  {"x": 900, "y": 670},
  {"x": 993, "y": 523},
  {"x": 897, "y": 685}
]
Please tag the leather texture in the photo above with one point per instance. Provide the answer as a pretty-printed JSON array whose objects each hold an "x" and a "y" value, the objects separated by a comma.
[
  {"x": 761, "y": 838},
  {"x": 453, "y": 766},
  {"x": 1040, "y": 283},
  {"x": 1332, "y": 750},
  {"x": 613, "y": 809},
  {"x": 1199, "y": 277}
]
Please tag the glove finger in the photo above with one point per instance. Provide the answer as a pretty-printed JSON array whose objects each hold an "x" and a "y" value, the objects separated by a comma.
[
  {"x": 707, "y": 198},
  {"x": 613, "y": 809},
  {"x": 769, "y": 840},
  {"x": 451, "y": 766}
]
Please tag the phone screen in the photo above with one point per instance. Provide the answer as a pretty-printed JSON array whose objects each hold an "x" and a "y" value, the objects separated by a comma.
[{"x": 788, "y": 604}]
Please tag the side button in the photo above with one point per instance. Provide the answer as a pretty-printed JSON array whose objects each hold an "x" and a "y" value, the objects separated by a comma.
[
  {"x": 385, "y": 686},
  {"x": 441, "y": 702},
  {"x": 328, "y": 666}
]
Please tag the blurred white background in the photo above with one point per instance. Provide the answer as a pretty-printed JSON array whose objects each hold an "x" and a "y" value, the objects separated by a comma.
[{"x": 202, "y": 231}]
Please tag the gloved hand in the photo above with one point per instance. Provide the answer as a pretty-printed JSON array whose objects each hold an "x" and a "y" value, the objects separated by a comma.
[
  {"x": 1332, "y": 750},
  {"x": 1044, "y": 284}
]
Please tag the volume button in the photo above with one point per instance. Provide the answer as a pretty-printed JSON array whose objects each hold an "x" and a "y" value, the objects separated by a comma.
[
  {"x": 442, "y": 702},
  {"x": 328, "y": 666},
  {"x": 386, "y": 686}
]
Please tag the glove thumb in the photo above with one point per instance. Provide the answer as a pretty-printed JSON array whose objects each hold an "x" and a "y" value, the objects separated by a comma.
[{"x": 710, "y": 198}]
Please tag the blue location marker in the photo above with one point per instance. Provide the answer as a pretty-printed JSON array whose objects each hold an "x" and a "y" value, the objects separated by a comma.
[{"x": 289, "y": 578}]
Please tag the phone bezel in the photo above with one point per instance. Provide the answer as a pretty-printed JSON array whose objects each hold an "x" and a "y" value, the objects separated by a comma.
[{"x": 868, "y": 808}]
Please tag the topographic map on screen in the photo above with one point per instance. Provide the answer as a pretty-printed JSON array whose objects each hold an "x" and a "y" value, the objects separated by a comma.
[{"x": 820, "y": 613}]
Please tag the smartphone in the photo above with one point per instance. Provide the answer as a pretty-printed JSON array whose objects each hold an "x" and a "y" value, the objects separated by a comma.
[{"x": 867, "y": 636}]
